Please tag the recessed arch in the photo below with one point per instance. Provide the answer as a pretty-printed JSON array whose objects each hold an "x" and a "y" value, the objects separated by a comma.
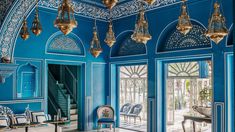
[
  {"x": 61, "y": 44},
  {"x": 171, "y": 39},
  {"x": 229, "y": 37},
  {"x": 125, "y": 46}
]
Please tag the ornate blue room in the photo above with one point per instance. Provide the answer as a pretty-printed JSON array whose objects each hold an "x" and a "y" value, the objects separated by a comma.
[{"x": 117, "y": 65}]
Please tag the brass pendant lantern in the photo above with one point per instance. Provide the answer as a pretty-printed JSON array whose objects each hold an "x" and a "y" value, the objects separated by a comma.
[
  {"x": 36, "y": 25},
  {"x": 24, "y": 33},
  {"x": 141, "y": 32},
  {"x": 110, "y": 3},
  {"x": 150, "y": 2},
  {"x": 110, "y": 36},
  {"x": 65, "y": 20},
  {"x": 184, "y": 24},
  {"x": 216, "y": 28},
  {"x": 95, "y": 48}
]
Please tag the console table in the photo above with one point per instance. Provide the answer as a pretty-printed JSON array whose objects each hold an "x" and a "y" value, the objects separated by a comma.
[
  {"x": 195, "y": 119},
  {"x": 56, "y": 123},
  {"x": 26, "y": 125}
]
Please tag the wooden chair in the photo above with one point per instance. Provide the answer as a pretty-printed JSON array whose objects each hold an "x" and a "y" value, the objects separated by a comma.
[{"x": 105, "y": 115}]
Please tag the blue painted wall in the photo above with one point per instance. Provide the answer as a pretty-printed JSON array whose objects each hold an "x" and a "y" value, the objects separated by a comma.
[
  {"x": 99, "y": 75},
  {"x": 34, "y": 51}
]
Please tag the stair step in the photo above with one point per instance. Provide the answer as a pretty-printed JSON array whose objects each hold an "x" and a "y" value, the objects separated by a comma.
[
  {"x": 73, "y": 106},
  {"x": 64, "y": 90},
  {"x": 72, "y": 127},
  {"x": 74, "y": 117},
  {"x": 73, "y": 111}
]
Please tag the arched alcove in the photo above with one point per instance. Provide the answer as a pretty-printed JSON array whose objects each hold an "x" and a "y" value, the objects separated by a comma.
[
  {"x": 27, "y": 78},
  {"x": 125, "y": 46},
  {"x": 172, "y": 40},
  {"x": 69, "y": 44}
]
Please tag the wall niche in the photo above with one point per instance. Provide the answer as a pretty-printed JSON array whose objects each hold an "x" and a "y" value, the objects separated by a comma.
[{"x": 27, "y": 82}]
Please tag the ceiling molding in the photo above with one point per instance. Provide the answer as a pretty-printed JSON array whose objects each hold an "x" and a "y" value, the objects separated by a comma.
[{"x": 122, "y": 10}]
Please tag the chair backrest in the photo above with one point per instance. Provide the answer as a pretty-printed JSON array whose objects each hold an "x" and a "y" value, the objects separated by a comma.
[
  {"x": 136, "y": 109},
  {"x": 126, "y": 107},
  {"x": 105, "y": 111},
  {"x": 5, "y": 110}
]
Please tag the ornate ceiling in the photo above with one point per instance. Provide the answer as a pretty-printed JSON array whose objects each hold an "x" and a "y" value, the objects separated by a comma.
[
  {"x": 12, "y": 12},
  {"x": 88, "y": 8},
  {"x": 99, "y": 2}
]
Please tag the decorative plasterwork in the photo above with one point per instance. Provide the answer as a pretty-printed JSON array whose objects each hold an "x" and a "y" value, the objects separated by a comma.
[
  {"x": 194, "y": 39},
  {"x": 4, "y": 8},
  {"x": 9, "y": 31},
  {"x": 62, "y": 44},
  {"x": 119, "y": 11},
  {"x": 81, "y": 9},
  {"x": 128, "y": 47}
]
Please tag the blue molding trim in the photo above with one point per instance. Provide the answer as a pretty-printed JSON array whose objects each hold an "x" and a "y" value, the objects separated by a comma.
[
  {"x": 218, "y": 106},
  {"x": 229, "y": 90},
  {"x": 22, "y": 101},
  {"x": 151, "y": 115}
]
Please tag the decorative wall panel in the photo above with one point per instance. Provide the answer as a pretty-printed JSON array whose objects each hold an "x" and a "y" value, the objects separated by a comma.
[
  {"x": 193, "y": 40},
  {"x": 128, "y": 47},
  {"x": 4, "y": 8},
  {"x": 61, "y": 44}
]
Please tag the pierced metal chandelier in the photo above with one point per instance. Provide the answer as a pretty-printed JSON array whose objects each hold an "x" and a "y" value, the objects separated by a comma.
[
  {"x": 150, "y": 2},
  {"x": 141, "y": 32},
  {"x": 95, "y": 48},
  {"x": 110, "y": 36},
  {"x": 216, "y": 28},
  {"x": 36, "y": 25},
  {"x": 24, "y": 33},
  {"x": 110, "y": 3},
  {"x": 65, "y": 20},
  {"x": 184, "y": 24}
]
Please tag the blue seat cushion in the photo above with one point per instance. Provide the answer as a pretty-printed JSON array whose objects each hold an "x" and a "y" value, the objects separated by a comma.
[{"x": 106, "y": 120}]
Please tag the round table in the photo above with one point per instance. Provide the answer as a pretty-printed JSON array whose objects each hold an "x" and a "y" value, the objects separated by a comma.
[
  {"x": 56, "y": 123},
  {"x": 26, "y": 125}
]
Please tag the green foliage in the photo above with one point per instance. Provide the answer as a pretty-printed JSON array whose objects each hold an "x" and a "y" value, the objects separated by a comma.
[{"x": 206, "y": 94}]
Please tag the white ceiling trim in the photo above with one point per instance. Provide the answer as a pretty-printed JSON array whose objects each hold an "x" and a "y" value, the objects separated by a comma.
[{"x": 119, "y": 11}]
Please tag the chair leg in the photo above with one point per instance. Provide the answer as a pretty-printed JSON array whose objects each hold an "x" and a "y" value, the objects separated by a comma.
[
  {"x": 114, "y": 126},
  {"x": 140, "y": 120},
  {"x": 99, "y": 126},
  {"x": 110, "y": 126}
]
